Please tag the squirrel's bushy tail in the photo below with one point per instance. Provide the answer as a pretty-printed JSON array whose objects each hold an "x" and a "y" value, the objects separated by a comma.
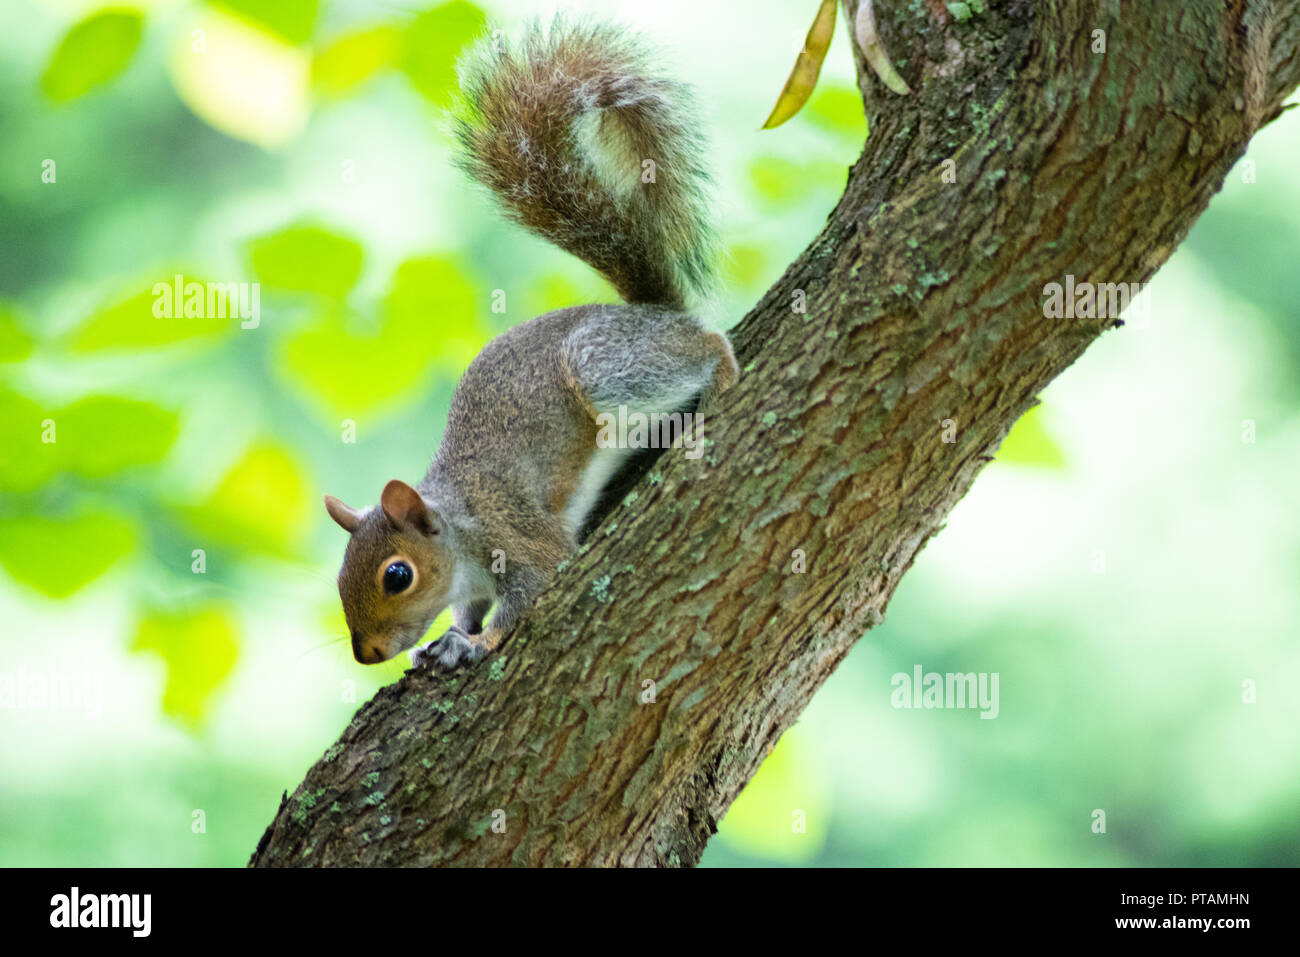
[{"x": 560, "y": 127}]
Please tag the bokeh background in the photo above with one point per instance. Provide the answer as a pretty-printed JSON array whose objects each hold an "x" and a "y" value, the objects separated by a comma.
[{"x": 1128, "y": 565}]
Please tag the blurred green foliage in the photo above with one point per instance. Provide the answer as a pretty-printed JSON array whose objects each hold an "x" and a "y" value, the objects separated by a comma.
[
  {"x": 260, "y": 505},
  {"x": 93, "y": 52},
  {"x": 340, "y": 69},
  {"x": 130, "y": 324},
  {"x": 198, "y": 647},
  {"x": 783, "y": 813},
  {"x": 15, "y": 342},
  {"x": 57, "y": 557},
  {"x": 434, "y": 40},
  {"x": 291, "y": 20},
  {"x": 307, "y": 259},
  {"x": 1029, "y": 443}
]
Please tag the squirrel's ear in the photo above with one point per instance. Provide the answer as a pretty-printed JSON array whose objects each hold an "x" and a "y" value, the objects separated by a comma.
[
  {"x": 347, "y": 516},
  {"x": 404, "y": 506}
]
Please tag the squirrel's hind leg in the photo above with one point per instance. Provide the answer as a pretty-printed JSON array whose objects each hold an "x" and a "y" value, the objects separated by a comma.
[
  {"x": 725, "y": 373},
  {"x": 647, "y": 359}
]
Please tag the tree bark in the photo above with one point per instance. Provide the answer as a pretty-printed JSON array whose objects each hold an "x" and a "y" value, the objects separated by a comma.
[{"x": 924, "y": 303}]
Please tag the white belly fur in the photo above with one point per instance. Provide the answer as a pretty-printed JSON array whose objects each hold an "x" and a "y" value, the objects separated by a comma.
[
  {"x": 605, "y": 462},
  {"x": 599, "y": 470}
]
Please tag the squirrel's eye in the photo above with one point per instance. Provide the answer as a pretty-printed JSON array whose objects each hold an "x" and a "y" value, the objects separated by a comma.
[{"x": 398, "y": 577}]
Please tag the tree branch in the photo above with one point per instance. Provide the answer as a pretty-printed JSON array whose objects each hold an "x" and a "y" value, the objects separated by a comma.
[{"x": 924, "y": 302}]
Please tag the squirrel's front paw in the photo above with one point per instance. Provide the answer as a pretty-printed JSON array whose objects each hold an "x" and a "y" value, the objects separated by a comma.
[{"x": 453, "y": 649}]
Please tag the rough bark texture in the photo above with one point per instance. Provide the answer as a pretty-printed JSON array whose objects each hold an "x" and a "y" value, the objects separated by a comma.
[{"x": 924, "y": 303}]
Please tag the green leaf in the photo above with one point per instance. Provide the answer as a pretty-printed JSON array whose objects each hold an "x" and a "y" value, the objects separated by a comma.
[
  {"x": 15, "y": 343},
  {"x": 142, "y": 321},
  {"x": 95, "y": 436},
  {"x": 776, "y": 180},
  {"x": 26, "y": 462},
  {"x": 789, "y": 792},
  {"x": 746, "y": 263},
  {"x": 59, "y": 556},
  {"x": 261, "y": 505},
  {"x": 307, "y": 259},
  {"x": 291, "y": 20},
  {"x": 100, "y": 435},
  {"x": 351, "y": 371},
  {"x": 803, "y": 78},
  {"x": 432, "y": 305},
  {"x": 350, "y": 60},
  {"x": 838, "y": 109},
  {"x": 352, "y": 368},
  {"x": 199, "y": 648},
  {"x": 92, "y": 53},
  {"x": 434, "y": 41},
  {"x": 780, "y": 182},
  {"x": 1028, "y": 443}
]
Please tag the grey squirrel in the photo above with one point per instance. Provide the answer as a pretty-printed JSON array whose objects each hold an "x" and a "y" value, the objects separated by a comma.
[{"x": 560, "y": 127}]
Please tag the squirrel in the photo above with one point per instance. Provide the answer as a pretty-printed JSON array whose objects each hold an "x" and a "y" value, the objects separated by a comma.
[{"x": 560, "y": 128}]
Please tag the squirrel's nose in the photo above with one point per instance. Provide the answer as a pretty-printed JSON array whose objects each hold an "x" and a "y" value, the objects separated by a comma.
[{"x": 366, "y": 654}]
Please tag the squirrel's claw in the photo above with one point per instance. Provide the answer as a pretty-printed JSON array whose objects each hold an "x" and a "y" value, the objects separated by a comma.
[{"x": 453, "y": 649}]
